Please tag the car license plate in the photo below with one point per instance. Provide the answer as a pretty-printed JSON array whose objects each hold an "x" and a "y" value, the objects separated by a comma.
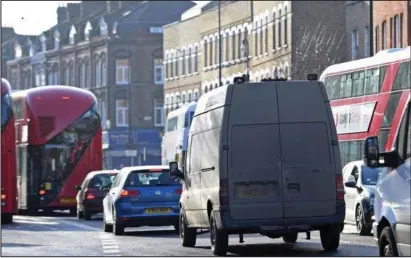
[
  {"x": 67, "y": 200},
  {"x": 158, "y": 210}
]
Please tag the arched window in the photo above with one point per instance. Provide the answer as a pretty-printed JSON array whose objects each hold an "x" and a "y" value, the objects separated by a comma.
[
  {"x": 261, "y": 36},
  {"x": 279, "y": 29},
  {"x": 183, "y": 63},
  {"x": 274, "y": 31},
  {"x": 266, "y": 34},
  {"x": 196, "y": 53},
  {"x": 285, "y": 26},
  {"x": 172, "y": 65},
  {"x": 227, "y": 47},
  {"x": 256, "y": 38},
  {"x": 190, "y": 65}
]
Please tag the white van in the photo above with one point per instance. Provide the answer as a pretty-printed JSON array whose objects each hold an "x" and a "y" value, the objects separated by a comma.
[{"x": 262, "y": 157}]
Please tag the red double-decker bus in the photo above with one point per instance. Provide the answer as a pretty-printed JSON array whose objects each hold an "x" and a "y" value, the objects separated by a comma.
[
  {"x": 59, "y": 141},
  {"x": 8, "y": 156},
  {"x": 368, "y": 97}
]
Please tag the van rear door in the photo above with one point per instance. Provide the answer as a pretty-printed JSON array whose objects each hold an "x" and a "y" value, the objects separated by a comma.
[
  {"x": 254, "y": 165},
  {"x": 308, "y": 159}
]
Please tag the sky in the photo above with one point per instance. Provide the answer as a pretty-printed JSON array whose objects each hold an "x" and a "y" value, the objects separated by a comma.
[{"x": 30, "y": 17}]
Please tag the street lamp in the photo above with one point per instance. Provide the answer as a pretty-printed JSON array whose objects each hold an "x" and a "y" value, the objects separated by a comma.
[{"x": 245, "y": 49}]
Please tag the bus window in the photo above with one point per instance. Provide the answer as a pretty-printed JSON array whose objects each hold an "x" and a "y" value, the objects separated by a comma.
[
  {"x": 346, "y": 86},
  {"x": 372, "y": 81},
  {"x": 402, "y": 78},
  {"x": 188, "y": 119},
  {"x": 332, "y": 87},
  {"x": 358, "y": 84}
]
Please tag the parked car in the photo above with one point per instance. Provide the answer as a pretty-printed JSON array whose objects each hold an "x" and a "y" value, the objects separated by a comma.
[
  {"x": 392, "y": 219},
  {"x": 90, "y": 197},
  {"x": 360, "y": 181},
  {"x": 141, "y": 196},
  {"x": 250, "y": 165}
]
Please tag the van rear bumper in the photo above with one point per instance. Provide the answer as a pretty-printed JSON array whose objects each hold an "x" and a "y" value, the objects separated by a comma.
[{"x": 224, "y": 221}]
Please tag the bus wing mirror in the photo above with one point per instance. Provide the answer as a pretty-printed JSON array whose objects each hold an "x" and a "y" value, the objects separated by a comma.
[{"x": 371, "y": 152}]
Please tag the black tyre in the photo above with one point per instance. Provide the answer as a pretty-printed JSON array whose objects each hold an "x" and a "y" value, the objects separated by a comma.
[
  {"x": 106, "y": 227},
  {"x": 87, "y": 214},
  {"x": 330, "y": 237},
  {"x": 387, "y": 245},
  {"x": 73, "y": 212},
  {"x": 80, "y": 214},
  {"x": 177, "y": 228},
  {"x": 362, "y": 228},
  {"x": 342, "y": 227},
  {"x": 188, "y": 235},
  {"x": 6, "y": 219},
  {"x": 118, "y": 230},
  {"x": 290, "y": 238},
  {"x": 218, "y": 238}
]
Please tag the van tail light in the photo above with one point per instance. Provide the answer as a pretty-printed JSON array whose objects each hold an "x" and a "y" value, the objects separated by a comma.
[
  {"x": 223, "y": 192},
  {"x": 129, "y": 193},
  {"x": 3, "y": 196},
  {"x": 90, "y": 196},
  {"x": 179, "y": 191},
  {"x": 340, "y": 187}
]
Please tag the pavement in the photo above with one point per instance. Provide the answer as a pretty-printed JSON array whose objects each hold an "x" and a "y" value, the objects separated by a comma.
[{"x": 61, "y": 235}]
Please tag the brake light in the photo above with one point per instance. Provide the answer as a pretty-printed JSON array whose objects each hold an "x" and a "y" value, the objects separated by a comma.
[
  {"x": 156, "y": 170},
  {"x": 179, "y": 191},
  {"x": 3, "y": 196},
  {"x": 65, "y": 97},
  {"x": 128, "y": 193},
  {"x": 340, "y": 187},
  {"x": 223, "y": 192},
  {"x": 90, "y": 196},
  {"x": 42, "y": 192}
]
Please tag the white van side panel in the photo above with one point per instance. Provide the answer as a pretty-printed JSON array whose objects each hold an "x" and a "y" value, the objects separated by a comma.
[
  {"x": 307, "y": 151},
  {"x": 254, "y": 165}
]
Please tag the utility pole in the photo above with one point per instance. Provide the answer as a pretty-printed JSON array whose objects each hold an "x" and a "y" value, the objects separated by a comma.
[
  {"x": 219, "y": 45},
  {"x": 371, "y": 28}
]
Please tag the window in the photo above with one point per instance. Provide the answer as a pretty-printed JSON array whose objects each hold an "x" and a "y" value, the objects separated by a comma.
[
  {"x": 246, "y": 39},
  {"x": 122, "y": 71},
  {"x": 195, "y": 157},
  {"x": 80, "y": 76},
  {"x": 256, "y": 39},
  {"x": 64, "y": 76},
  {"x": 261, "y": 30},
  {"x": 210, "y": 52},
  {"x": 266, "y": 34},
  {"x": 346, "y": 86},
  {"x": 121, "y": 113},
  {"x": 239, "y": 43},
  {"x": 97, "y": 72},
  {"x": 167, "y": 67},
  {"x": 183, "y": 98},
  {"x": 279, "y": 29},
  {"x": 104, "y": 72},
  {"x": 183, "y": 63},
  {"x": 373, "y": 80},
  {"x": 176, "y": 73},
  {"x": 103, "y": 114},
  {"x": 216, "y": 50},
  {"x": 377, "y": 38},
  {"x": 366, "y": 42},
  {"x": 387, "y": 119},
  {"x": 351, "y": 151},
  {"x": 233, "y": 45},
  {"x": 17, "y": 51},
  {"x": 70, "y": 76},
  {"x": 196, "y": 53},
  {"x": 158, "y": 113},
  {"x": 403, "y": 150},
  {"x": 196, "y": 95},
  {"x": 397, "y": 31},
  {"x": 189, "y": 97},
  {"x": 285, "y": 26},
  {"x": 87, "y": 75},
  {"x": 274, "y": 31},
  {"x": 205, "y": 48},
  {"x": 402, "y": 80},
  {"x": 172, "y": 124},
  {"x": 172, "y": 65},
  {"x": 227, "y": 47},
  {"x": 50, "y": 79},
  {"x": 190, "y": 65},
  {"x": 158, "y": 71},
  {"x": 354, "y": 44},
  {"x": 103, "y": 27},
  {"x": 358, "y": 84},
  {"x": 384, "y": 35}
]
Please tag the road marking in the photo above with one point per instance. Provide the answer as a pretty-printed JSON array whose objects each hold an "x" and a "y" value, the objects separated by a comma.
[{"x": 109, "y": 244}]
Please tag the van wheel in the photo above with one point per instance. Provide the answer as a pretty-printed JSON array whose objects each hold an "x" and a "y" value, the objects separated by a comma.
[
  {"x": 106, "y": 227},
  {"x": 387, "y": 245},
  {"x": 330, "y": 237},
  {"x": 218, "y": 238},
  {"x": 362, "y": 228},
  {"x": 87, "y": 215},
  {"x": 188, "y": 235},
  {"x": 290, "y": 238}
]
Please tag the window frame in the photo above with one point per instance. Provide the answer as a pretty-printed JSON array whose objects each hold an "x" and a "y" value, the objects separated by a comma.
[
  {"x": 124, "y": 112},
  {"x": 158, "y": 107},
  {"x": 158, "y": 65},
  {"x": 125, "y": 69}
]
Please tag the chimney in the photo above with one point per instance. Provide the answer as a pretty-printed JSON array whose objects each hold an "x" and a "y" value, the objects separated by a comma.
[
  {"x": 61, "y": 14},
  {"x": 73, "y": 11}
]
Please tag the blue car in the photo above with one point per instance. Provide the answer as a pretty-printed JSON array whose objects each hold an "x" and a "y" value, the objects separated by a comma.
[{"x": 142, "y": 196}]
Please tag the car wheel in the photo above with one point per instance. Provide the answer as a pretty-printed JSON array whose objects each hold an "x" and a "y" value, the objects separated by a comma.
[
  {"x": 79, "y": 214},
  {"x": 73, "y": 212},
  {"x": 106, "y": 227},
  {"x": 188, "y": 235},
  {"x": 218, "y": 238},
  {"x": 87, "y": 214},
  {"x": 387, "y": 245},
  {"x": 118, "y": 230},
  {"x": 290, "y": 238},
  {"x": 362, "y": 228},
  {"x": 330, "y": 237}
]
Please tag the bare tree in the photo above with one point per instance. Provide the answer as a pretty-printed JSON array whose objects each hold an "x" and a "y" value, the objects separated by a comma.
[{"x": 317, "y": 50}]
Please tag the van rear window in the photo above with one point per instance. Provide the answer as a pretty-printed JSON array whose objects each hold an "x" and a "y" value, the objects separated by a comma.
[{"x": 143, "y": 178}]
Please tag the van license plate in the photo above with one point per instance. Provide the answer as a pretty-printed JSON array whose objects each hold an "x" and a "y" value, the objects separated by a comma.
[
  {"x": 68, "y": 200},
  {"x": 256, "y": 189},
  {"x": 158, "y": 210}
]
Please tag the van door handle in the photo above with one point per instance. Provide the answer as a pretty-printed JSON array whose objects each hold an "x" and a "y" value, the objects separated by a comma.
[{"x": 207, "y": 169}]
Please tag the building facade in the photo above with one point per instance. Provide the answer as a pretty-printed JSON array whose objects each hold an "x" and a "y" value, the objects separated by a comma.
[
  {"x": 358, "y": 29},
  {"x": 114, "y": 49},
  {"x": 262, "y": 38},
  {"x": 391, "y": 21}
]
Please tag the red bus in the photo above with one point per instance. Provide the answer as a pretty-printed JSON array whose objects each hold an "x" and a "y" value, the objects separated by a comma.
[
  {"x": 59, "y": 141},
  {"x": 368, "y": 97},
  {"x": 8, "y": 156}
]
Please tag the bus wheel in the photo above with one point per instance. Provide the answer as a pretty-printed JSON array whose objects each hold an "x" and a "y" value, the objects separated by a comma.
[
  {"x": 73, "y": 212},
  {"x": 6, "y": 219}
]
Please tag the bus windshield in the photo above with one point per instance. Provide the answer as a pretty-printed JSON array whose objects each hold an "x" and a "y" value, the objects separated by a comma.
[{"x": 6, "y": 111}]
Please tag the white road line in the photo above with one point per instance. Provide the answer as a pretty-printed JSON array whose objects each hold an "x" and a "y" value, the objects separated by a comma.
[{"x": 109, "y": 244}]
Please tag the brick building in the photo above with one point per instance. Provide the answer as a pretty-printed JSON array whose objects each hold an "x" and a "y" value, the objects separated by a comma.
[
  {"x": 391, "y": 24},
  {"x": 358, "y": 29},
  {"x": 271, "y": 38},
  {"x": 114, "y": 49}
]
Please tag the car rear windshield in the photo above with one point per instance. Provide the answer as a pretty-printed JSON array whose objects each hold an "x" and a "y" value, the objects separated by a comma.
[
  {"x": 100, "y": 180},
  {"x": 150, "y": 178}
]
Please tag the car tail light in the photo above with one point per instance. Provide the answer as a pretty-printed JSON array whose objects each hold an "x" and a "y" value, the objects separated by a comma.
[
  {"x": 223, "y": 192},
  {"x": 179, "y": 191},
  {"x": 3, "y": 196},
  {"x": 90, "y": 196},
  {"x": 340, "y": 187},
  {"x": 128, "y": 193},
  {"x": 42, "y": 192}
]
